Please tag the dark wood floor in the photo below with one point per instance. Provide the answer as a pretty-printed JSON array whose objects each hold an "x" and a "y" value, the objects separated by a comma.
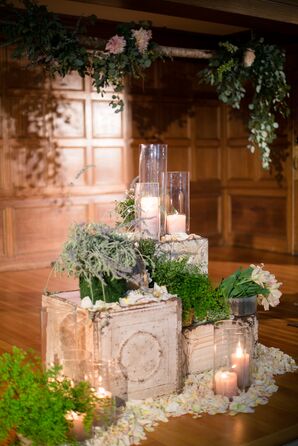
[{"x": 272, "y": 425}]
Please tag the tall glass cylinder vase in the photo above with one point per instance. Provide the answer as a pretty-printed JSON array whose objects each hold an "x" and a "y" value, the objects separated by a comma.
[
  {"x": 177, "y": 202},
  {"x": 153, "y": 169},
  {"x": 232, "y": 358},
  {"x": 147, "y": 201}
]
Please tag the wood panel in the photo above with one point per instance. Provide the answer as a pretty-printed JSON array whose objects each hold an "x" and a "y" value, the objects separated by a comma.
[
  {"x": 63, "y": 150},
  {"x": 28, "y": 240}
]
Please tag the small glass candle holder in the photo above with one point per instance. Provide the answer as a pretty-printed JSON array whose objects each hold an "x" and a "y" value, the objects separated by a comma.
[
  {"x": 102, "y": 382},
  {"x": 178, "y": 202},
  {"x": 232, "y": 358},
  {"x": 148, "y": 209},
  {"x": 153, "y": 169}
]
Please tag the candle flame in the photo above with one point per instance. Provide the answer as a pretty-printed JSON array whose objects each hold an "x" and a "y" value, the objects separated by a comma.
[
  {"x": 239, "y": 351},
  {"x": 103, "y": 393}
]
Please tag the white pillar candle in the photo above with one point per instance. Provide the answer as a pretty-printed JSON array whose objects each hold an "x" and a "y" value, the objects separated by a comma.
[
  {"x": 176, "y": 223},
  {"x": 150, "y": 211},
  {"x": 240, "y": 363},
  {"x": 226, "y": 383}
]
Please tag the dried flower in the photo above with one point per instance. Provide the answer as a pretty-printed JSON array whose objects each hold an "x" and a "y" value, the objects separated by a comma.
[
  {"x": 116, "y": 44},
  {"x": 142, "y": 37},
  {"x": 249, "y": 57}
]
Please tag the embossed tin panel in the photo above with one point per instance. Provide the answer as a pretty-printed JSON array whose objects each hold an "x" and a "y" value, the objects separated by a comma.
[{"x": 143, "y": 340}]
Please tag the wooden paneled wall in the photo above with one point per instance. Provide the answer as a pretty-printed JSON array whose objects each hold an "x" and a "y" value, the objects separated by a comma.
[
  {"x": 66, "y": 156},
  {"x": 63, "y": 160}
]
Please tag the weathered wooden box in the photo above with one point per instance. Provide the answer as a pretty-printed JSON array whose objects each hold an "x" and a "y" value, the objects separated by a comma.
[
  {"x": 198, "y": 345},
  {"x": 197, "y": 348},
  {"x": 144, "y": 340},
  {"x": 193, "y": 246}
]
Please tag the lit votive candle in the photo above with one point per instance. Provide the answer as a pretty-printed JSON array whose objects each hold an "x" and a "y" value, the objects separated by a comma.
[
  {"x": 77, "y": 428},
  {"x": 226, "y": 383},
  {"x": 240, "y": 363},
  {"x": 150, "y": 216},
  {"x": 176, "y": 223},
  {"x": 101, "y": 392}
]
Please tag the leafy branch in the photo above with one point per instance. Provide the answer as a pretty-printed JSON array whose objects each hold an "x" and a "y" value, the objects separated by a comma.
[
  {"x": 40, "y": 36},
  {"x": 232, "y": 68}
]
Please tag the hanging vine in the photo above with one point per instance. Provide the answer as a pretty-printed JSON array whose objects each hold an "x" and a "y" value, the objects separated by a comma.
[
  {"x": 262, "y": 64},
  {"x": 40, "y": 36}
]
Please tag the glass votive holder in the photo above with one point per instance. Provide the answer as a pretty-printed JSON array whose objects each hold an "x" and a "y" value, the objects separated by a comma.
[
  {"x": 232, "y": 358},
  {"x": 153, "y": 169},
  {"x": 102, "y": 382},
  {"x": 177, "y": 202},
  {"x": 148, "y": 210}
]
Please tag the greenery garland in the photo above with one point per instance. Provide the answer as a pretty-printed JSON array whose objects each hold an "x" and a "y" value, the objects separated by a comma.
[
  {"x": 40, "y": 36},
  {"x": 263, "y": 65}
]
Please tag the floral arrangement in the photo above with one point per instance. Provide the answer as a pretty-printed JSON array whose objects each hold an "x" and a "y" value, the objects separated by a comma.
[
  {"x": 253, "y": 281},
  {"x": 36, "y": 403},
  {"x": 128, "y": 53},
  {"x": 40, "y": 36},
  {"x": 262, "y": 65}
]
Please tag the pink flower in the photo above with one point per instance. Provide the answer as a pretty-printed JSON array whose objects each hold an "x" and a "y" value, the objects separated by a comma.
[
  {"x": 249, "y": 57},
  {"x": 116, "y": 44},
  {"x": 142, "y": 37}
]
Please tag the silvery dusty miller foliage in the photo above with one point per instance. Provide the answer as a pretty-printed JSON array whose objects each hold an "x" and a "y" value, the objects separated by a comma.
[{"x": 95, "y": 250}]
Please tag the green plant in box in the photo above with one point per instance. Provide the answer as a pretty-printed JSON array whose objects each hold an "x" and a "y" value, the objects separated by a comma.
[
  {"x": 103, "y": 259},
  {"x": 35, "y": 402},
  {"x": 194, "y": 289}
]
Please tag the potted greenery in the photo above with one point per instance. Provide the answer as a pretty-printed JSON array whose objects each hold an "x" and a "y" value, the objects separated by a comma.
[
  {"x": 103, "y": 259},
  {"x": 247, "y": 287},
  {"x": 35, "y": 402},
  {"x": 200, "y": 301}
]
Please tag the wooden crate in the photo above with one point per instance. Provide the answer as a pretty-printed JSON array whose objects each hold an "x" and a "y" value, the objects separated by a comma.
[
  {"x": 198, "y": 345},
  {"x": 144, "y": 340},
  {"x": 197, "y": 348},
  {"x": 194, "y": 247}
]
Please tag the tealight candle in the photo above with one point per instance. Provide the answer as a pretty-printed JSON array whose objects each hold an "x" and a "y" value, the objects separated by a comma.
[
  {"x": 226, "y": 383},
  {"x": 240, "y": 363},
  {"x": 103, "y": 393},
  {"x": 77, "y": 428},
  {"x": 176, "y": 223}
]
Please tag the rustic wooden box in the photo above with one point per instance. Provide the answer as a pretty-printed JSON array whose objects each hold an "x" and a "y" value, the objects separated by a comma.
[
  {"x": 194, "y": 247},
  {"x": 144, "y": 340},
  {"x": 197, "y": 348},
  {"x": 198, "y": 345}
]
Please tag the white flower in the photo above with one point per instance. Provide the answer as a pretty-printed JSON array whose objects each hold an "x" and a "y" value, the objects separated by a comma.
[
  {"x": 269, "y": 282},
  {"x": 86, "y": 302},
  {"x": 142, "y": 37}
]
